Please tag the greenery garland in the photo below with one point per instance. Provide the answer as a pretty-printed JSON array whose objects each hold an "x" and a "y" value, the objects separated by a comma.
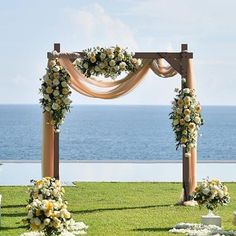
[
  {"x": 186, "y": 119},
  {"x": 56, "y": 93},
  {"x": 108, "y": 62}
]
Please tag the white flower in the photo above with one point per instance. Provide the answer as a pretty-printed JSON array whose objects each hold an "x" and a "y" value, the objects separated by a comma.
[
  {"x": 103, "y": 56},
  {"x": 120, "y": 56},
  {"x": 67, "y": 101},
  {"x": 197, "y": 119},
  {"x": 85, "y": 65},
  {"x": 48, "y": 108},
  {"x": 30, "y": 214},
  {"x": 56, "y": 68},
  {"x": 97, "y": 69},
  {"x": 46, "y": 221},
  {"x": 117, "y": 68},
  {"x": 187, "y": 118},
  {"x": 37, "y": 221},
  {"x": 122, "y": 65},
  {"x": 56, "y": 82},
  {"x": 205, "y": 191},
  {"x": 56, "y": 93},
  {"x": 55, "y": 106},
  {"x": 176, "y": 90},
  {"x": 186, "y": 90},
  {"x": 112, "y": 63},
  {"x": 63, "y": 84},
  {"x": 176, "y": 122}
]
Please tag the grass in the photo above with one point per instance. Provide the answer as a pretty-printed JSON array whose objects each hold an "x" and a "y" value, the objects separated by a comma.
[{"x": 117, "y": 208}]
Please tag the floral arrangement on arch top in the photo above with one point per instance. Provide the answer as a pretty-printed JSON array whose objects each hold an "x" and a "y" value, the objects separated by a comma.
[
  {"x": 186, "y": 119},
  {"x": 108, "y": 62}
]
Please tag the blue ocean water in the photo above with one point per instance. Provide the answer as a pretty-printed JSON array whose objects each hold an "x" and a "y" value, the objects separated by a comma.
[{"x": 114, "y": 133}]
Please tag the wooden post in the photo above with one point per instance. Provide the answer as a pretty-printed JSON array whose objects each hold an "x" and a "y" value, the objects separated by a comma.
[
  {"x": 56, "y": 135},
  {"x": 189, "y": 163}
]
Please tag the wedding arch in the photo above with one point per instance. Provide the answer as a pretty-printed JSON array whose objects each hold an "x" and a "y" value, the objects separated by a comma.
[{"x": 62, "y": 72}]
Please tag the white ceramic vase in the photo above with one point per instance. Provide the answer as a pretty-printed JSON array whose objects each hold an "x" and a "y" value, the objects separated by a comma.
[{"x": 211, "y": 219}]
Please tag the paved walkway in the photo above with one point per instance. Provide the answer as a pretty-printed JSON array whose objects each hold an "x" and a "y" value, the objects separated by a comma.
[{"x": 21, "y": 172}]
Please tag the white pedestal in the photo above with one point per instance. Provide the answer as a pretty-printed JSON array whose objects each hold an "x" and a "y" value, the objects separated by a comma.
[{"x": 211, "y": 219}]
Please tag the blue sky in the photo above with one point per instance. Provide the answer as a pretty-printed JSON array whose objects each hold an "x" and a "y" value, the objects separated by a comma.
[{"x": 29, "y": 29}]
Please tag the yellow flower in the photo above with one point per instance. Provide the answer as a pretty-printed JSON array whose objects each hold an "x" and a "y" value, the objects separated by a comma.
[
  {"x": 38, "y": 212},
  {"x": 183, "y": 140},
  {"x": 187, "y": 112},
  {"x": 56, "y": 75},
  {"x": 191, "y": 126},
  {"x": 34, "y": 227},
  {"x": 65, "y": 91},
  {"x": 182, "y": 122},
  {"x": 180, "y": 102},
  {"x": 198, "y": 108},
  {"x": 93, "y": 59},
  {"x": 49, "y": 90}
]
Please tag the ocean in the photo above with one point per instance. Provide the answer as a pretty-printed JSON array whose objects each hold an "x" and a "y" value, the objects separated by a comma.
[{"x": 115, "y": 133}]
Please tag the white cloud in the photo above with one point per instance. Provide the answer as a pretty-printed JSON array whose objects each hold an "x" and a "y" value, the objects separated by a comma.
[{"x": 94, "y": 26}]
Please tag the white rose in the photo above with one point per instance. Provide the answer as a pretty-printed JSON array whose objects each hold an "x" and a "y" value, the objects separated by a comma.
[
  {"x": 102, "y": 65},
  {"x": 97, "y": 69},
  {"x": 85, "y": 65},
  {"x": 30, "y": 214},
  {"x": 205, "y": 191},
  {"x": 120, "y": 56},
  {"x": 112, "y": 63},
  {"x": 56, "y": 82},
  {"x": 63, "y": 84},
  {"x": 139, "y": 62},
  {"x": 186, "y": 90},
  {"x": 117, "y": 68},
  {"x": 122, "y": 65},
  {"x": 197, "y": 119},
  {"x": 176, "y": 122},
  {"x": 55, "y": 106},
  {"x": 56, "y": 68},
  {"x": 37, "y": 221},
  {"x": 56, "y": 93},
  {"x": 221, "y": 193},
  {"x": 46, "y": 221},
  {"x": 187, "y": 118},
  {"x": 67, "y": 101},
  {"x": 47, "y": 108},
  {"x": 103, "y": 56}
]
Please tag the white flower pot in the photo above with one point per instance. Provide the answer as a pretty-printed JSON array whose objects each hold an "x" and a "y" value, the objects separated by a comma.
[{"x": 211, "y": 219}]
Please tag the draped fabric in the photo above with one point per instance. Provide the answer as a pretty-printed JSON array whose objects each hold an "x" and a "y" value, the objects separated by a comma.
[{"x": 116, "y": 88}]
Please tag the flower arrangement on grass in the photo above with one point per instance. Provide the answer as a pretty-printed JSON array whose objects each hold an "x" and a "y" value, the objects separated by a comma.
[
  {"x": 47, "y": 211},
  {"x": 186, "y": 119},
  {"x": 56, "y": 93},
  {"x": 109, "y": 62},
  {"x": 211, "y": 194}
]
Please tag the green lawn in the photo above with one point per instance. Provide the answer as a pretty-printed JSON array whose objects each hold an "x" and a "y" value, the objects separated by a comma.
[{"x": 117, "y": 208}]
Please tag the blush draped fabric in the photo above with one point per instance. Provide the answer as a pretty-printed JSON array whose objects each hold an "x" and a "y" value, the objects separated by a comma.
[{"x": 116, "y": 88}]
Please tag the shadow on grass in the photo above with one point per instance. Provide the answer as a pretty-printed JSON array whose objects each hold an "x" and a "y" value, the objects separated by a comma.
[
  {"x": 117, "y": 209},
  {"x": 13, "y": 214},
  {"x": 152, "y": 229},
  {"x": 11, "y": 228},
  {"x": 13, "y": 206}
]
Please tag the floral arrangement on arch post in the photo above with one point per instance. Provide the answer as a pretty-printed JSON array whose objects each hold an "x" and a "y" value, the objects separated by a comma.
[
  {"x": 211, "y": 194},
  {"x": 186, "y": 119},
  {"x": 56, "y": 93},
  {"x": 47, "y": 211}
]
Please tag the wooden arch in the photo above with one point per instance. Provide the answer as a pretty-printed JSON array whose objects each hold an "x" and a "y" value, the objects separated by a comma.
[{"x": 182, "y": 63}]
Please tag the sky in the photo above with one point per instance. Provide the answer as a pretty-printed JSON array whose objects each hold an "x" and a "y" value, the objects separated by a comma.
[{"x": 29, "y": 29}]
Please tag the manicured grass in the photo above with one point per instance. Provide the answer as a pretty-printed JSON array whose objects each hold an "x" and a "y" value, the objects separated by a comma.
[{"x": 117, "y": 208}]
